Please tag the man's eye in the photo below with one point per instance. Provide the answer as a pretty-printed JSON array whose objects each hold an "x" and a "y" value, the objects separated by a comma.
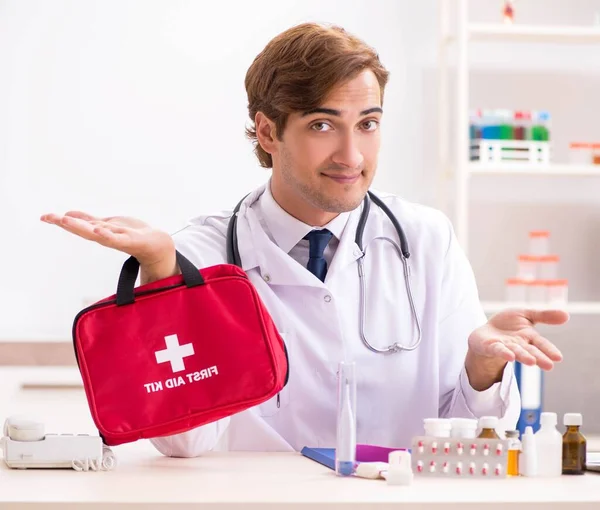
[
  {"x": 320, "y": 126},
  {"x": 370, "y": 125}
]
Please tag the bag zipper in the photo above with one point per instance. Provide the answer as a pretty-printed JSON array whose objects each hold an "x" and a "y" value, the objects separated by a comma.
[{"x": 110, "y": 302}]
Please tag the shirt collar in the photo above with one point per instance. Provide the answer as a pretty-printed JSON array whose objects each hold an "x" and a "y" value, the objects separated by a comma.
[{"x": 285, "y": 230}]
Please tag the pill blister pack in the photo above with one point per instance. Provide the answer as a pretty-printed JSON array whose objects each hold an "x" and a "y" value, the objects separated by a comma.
[{"x": 452, "y": 457}]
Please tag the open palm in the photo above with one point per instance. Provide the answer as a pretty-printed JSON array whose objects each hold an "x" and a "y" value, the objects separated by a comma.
[
  {"x": 125, "y": 234},
  {"x": 511, "y": 335}
]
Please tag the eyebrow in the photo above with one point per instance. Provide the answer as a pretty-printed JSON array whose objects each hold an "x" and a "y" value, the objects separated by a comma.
[{"x": 338, "y": 113}]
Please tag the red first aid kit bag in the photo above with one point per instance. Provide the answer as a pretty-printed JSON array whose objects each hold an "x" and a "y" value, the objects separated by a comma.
[{"x": 177, "y": 353}]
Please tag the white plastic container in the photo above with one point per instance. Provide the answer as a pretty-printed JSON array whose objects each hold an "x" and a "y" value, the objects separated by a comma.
[
  {"x": 528, "y": 456},
  {"x": 548, "y": 267},
  {"x": 437, "y": 427},
  {"x": 464, "y": 427},
  {"x": 596, "y": 154},
  {"x": 516, "y": 290},
  {"x": 580, "y": 153},
  {"x": 527, "y": 268},
  {"x": 539, "y": 242},
  {"x": 548, "y": 445},
  {"x": 557, "y": 291},
  {"x": 399, "y": 468},
  {"x": 536, "y": 292}
]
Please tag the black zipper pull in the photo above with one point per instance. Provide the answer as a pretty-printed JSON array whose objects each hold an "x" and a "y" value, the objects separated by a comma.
[{"x": 278, "y": 401}]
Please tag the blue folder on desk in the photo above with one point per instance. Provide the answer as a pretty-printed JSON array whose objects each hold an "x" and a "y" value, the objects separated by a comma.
[
  {"x": 325, "y": 456},
  {"x": 530, "y": 381},
  {"x": 364, "y": 453}
]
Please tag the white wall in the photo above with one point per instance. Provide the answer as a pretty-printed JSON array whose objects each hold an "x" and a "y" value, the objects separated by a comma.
[{"x": 138, "y": 108}]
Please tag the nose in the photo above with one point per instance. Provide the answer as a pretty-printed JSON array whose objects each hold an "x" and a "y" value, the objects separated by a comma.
[{"x": 348, "y": 154}]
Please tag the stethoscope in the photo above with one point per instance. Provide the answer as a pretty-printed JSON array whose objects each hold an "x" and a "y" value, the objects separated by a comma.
[{"x": 233, "y": 257}]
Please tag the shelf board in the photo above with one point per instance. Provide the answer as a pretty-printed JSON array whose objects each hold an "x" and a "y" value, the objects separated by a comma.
[
  {"x": 536, "y": 170},
  {"x": 534, "y": 33},
  {"x": 575, "y": 308}
]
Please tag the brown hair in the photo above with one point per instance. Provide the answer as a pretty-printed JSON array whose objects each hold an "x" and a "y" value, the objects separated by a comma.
[{"x": 298, "y": 68}]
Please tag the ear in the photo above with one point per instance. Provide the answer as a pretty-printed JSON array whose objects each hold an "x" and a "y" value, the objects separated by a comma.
[{"x": 265, "y": 132}]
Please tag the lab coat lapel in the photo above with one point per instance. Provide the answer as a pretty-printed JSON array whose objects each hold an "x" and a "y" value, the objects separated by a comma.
[
  {"x": 257, "y": 250},
  {"x": 347, "y": 251}
]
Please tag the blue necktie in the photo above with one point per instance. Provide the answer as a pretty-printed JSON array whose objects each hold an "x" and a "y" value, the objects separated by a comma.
[{"x": 318, "y": 241}]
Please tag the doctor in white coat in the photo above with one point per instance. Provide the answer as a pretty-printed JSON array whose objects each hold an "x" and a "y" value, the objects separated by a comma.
[{"x": 315, "y": 99}]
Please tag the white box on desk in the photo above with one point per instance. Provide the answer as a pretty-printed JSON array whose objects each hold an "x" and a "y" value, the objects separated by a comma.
[{"x": 53, "y": 451}]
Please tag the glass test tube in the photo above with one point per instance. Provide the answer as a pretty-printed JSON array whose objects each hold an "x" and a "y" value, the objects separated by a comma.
[{"x": 345, "y": 451}]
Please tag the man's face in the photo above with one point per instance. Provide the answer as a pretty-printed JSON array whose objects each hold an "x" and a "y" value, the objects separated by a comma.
[{"x": 327, "y": 158}]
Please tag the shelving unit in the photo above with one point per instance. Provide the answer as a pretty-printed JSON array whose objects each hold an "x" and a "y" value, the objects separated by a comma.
[
  {"x": 533, "y": 33},
  {"x": 573, "y": 308},
  {"x": 459, "y": 165},
  {"x": 475, "y": 169}
]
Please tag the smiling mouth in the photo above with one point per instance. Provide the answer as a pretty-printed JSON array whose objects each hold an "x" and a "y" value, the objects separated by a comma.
[{"x": 344, "y": 178}]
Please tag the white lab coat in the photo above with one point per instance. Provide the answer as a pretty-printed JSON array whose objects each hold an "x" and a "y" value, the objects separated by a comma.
[{"x": 319, "y": 322}]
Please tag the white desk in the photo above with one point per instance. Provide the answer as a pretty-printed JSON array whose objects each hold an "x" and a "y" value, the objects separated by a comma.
[{"x": 145, "y": 479}]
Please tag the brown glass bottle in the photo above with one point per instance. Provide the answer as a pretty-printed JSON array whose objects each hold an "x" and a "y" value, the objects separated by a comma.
[
  {"x": 574, "y": 446},
  {"x": 488, "y": 426}
]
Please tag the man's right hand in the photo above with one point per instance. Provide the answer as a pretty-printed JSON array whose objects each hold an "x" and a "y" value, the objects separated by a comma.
[{"x": 154, "y": 249}]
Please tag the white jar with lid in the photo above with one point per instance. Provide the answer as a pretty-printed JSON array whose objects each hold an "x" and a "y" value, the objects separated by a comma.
[
  {"x": 557, "y": 292},
  {"x": 539, "y": 241},
  {"x": 580, "y": 153},
  {"x": 596, "y": 154},
  {"x": 548, "y": 267},
  {"x": 536, "y": 292},
  {"x": 437, "y": 427},
  {"x": 527, "y": 267},
  {"x": 516, "y": 290},
  {"x": 464, "y": 427}
]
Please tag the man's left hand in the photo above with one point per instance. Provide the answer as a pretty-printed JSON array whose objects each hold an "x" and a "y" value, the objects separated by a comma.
[{"x": 510, "y": 336}]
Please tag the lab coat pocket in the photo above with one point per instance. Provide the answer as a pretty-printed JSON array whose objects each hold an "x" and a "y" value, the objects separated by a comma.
[{"x": 276, "y": 404}]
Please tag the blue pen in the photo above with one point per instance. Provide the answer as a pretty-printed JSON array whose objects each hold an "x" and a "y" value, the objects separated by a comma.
[{"x": 345, "y": 452}]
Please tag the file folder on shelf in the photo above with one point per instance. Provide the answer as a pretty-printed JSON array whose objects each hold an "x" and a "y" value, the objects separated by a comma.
[{"x": 530, "y": 381}]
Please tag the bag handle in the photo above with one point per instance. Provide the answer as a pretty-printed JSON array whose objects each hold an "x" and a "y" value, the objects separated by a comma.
[{"x": 129, "y": 273}]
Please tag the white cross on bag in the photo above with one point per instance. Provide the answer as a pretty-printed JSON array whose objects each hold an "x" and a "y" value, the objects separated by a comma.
[{"x": 174, "y": 353}]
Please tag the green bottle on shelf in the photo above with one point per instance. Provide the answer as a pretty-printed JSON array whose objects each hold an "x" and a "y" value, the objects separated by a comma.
[
  {"x": 507, "y": 129},
  {"x": 540, "y": 129}
]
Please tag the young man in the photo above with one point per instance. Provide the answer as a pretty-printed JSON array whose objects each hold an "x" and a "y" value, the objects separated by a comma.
[{"x": 315, "y": 99}]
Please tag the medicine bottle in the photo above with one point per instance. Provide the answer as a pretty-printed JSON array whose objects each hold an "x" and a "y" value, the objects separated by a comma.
[
  {"x": 548, "y": 445},
  {"x": 528, "y": 457},
  {"x": 514, "y": 450},
  {"x": 574, "y": 446},
  {"x": 488, "y": 425}
]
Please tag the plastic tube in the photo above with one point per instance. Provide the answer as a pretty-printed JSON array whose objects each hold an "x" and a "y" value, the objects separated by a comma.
[{"x": 345, "y": 452}]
